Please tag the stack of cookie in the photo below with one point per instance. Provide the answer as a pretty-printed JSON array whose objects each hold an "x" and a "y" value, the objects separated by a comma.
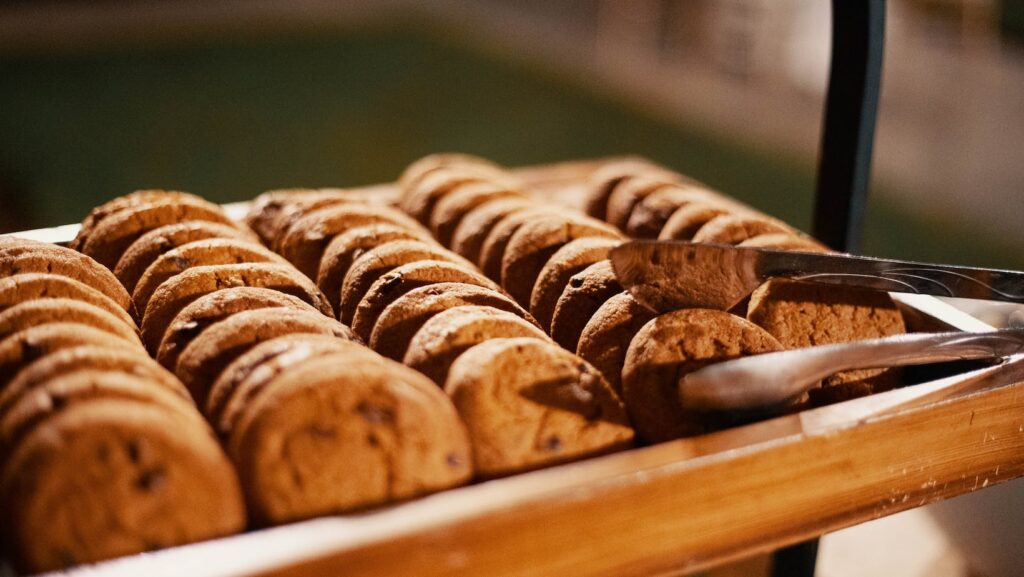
[
  {"x": 102, "y": 452},
  {"x": 415, "y": 301},
  {"x": 240, "y": 325}
]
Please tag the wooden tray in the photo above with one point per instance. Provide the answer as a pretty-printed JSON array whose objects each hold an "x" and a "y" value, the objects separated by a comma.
[{"x": 674, "y": 507}]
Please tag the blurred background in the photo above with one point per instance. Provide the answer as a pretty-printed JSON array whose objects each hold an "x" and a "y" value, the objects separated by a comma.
[{"x": 227, "y": 98}]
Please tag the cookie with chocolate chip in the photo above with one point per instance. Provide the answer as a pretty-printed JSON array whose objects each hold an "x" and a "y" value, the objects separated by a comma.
[
  {"x": 469, "y": 236},
  {"x": 25, "y": 287},
  {"x": 336, "y": 410},
  {"x": 672, "y": 345},
  {"x": 734, "y": 229},
  {"x": 586, "y": 292},
  {"x": 273, "y": 211},
  {"x": 504, "y": 387},
  {"x": 688, "y": 219},
  {"x": 450, "y": 209},
  {"x": 606, "y": 336},
  {"x": 569, "y": 260},
  {"x": 38, "y": 312}
]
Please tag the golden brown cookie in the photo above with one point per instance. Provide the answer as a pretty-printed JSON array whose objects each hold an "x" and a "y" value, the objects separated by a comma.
[
  {"x": 450, "y": 333},
  {"x": 148, "y": 247},
  {"x": 424, "y": 166},
  {"x": 783, "y": 241},
  {"x": 570, "y": 259},
  {"x": 405, "y": 278},
  {"x": 450, "y": 209},
  {"x": 179, "y": 291},
  {"x": 272, "y": 211},
  {"x": 687, "y": 220},
  {"x": 113, "y": 206},
  {"x": 213, "y": 349},
  {"x": 529, "y": 404},
  {"x": 378, "y": 261},
  {"x": 585, "y": 293},
  {"x": 803, "y": 314},
  {"x": 113, "y": 477},
  {"x": 215, "y": 307},
  {"x": 46, "y": 311},
  {"x": 333, "y": 413},
  {"x": 419, "y": 199},
  {"x": 39, "y": 257},
  {"x": 603, "y": 182},
  {"x": 734, "y": 229},
  {"x": 305, "y": 241},
  {"x": 345, "y": 248},
  {"x": 492, "y": 251},
  {"x": 628, "y": 194},
  {"x": 23, "y": 347},
  {"x": 469, "y": 236},
  {"x": 31, "y": 286},
  {"x": 536, "y": 241},
  {"x": 114, "y": 234},
  {"x": 401, "y": 319},
  {"x": 89, "y": 357},
  {"x": 672, "y": 345},
  {"x": 35, "y": 404},
  {"x": 198, "y": 253},
  {"x": 241, "y": 380},
  {"x": 606, "y": 336},
  {"x": 654, "y": 210}
]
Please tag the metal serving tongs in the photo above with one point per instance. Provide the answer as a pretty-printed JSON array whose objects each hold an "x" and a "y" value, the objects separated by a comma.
[{"x": 773, "y": 379}]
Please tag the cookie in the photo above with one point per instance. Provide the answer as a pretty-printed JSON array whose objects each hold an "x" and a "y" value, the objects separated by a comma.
[
  {"x": 628, "y": 194},
  {"x": 378, "y": 261},
  {"x": 450, "y": 209},
  {"x": 332, "y": 413},
  {"x": 272, "y": 211},
  {"x": 534, "y": 242},
  {"x": 450, "y": 333},
  {"x": 113, "y": 477},
  {"x": 424, "y": 166},
  {"x": 734, "y": 229},
  {"x": 241, "y": 380},
  {"x": 469, "y": 236},
  {"x": 34, "y": 405},
  {"x": 687, "y": 220},
  {"x": 585, "y": 293},
  {"x": 603, "y": 182},
  {"x": 114, "y": 234},
  {"x": 213, "y": 349},
  {"x": 89, "y": 357},
  {"x": 304, "y": 242},
  {"x": 46, "y": 311},
  {"x": 213, "y": 308},
  {"x": 148, "y": 247},
  {"x": 198, "y": 253},
  {"x": 569, "y": 260},
  {"x": 38, "y": 257},
  {"x": 23, "y": 347},
  {"x": 401, "y": 319},
  {"x": 350, "y": 245},
  {"x": 803, "y": 314},
  {"x": 493, "y": 248},
  {"x": 784, "y": 241},
  {"x": 419, "y": 199},
  {"x": 606, "y": 336},
  {"x": 672, "y": 345},
  {"x": 32, "y": 286},
  {"x": 405, "y": 278},
  {"x": 179, "y": 291},
  {"x": 654, "y": 210},
  {"x": 503, "y": 388},
  {"x": 113, "y": 206}
]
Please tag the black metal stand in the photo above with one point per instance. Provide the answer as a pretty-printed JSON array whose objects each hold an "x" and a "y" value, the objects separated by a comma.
[{"x": 844, "y": 166}]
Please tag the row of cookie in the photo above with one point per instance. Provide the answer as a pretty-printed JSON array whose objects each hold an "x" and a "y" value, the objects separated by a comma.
[
  {"x": 102, "y": 452},
  {"x": 647, "y": 201},
  {"x": 239, "y": 324},
  {"x": 414, "y": 301}
]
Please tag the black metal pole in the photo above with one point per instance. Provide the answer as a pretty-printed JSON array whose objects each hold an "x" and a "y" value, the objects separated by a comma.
[{"x": 844, "y": 165}]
